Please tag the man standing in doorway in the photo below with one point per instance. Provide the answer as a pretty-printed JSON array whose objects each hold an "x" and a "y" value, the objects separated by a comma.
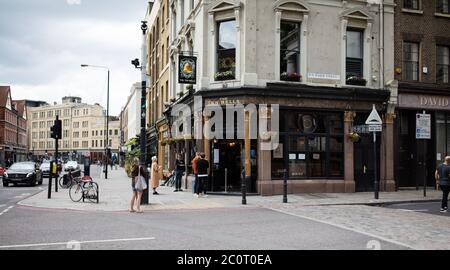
[
  {"x": 442, "y": 176},
  {"x": 194, "y": 168},
  {"x": 202, "y": 168}
]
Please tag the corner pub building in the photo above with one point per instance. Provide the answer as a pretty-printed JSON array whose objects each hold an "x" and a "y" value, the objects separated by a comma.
[{"x": 324, "y": 92}]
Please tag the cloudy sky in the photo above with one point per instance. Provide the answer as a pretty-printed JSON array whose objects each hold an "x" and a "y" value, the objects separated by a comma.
[{"x": 43, "y": 43}]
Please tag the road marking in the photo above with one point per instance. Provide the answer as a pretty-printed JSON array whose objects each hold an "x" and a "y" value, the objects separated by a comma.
[
  {"x": 6, "y": 210},
  {"x": 80, "y": 242},
  {"x": 345, "y": 228}
]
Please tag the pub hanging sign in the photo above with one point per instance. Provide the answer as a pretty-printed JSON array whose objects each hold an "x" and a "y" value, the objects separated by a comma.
[{"x": 187, "y": 69}]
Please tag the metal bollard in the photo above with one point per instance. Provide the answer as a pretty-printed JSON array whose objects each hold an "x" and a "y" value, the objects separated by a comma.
[{"x": 244, "y": 188}]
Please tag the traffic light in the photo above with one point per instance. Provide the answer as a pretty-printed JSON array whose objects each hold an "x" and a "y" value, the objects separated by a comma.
[{"x": 56, "y": 130}]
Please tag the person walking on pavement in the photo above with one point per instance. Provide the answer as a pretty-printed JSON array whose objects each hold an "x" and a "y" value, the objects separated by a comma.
[
  {"x": 179, "y": 169},
  {"x": 442, "y": 176},
  {"x": 194, "y": 168},
  {"x": 202, "y": 169},
  {"x": 154, "y": 175},
  {"x": 138, "y": 187}
]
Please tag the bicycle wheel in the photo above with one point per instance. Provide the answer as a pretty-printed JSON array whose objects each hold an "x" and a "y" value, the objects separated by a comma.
[
  {"x": 64, "y": 182},
  {"x": 92, "y": 192},
  {"x": 76, "y": 193}
]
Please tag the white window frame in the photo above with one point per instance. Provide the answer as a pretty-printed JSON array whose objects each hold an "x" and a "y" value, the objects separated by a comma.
[{"x": 347, "y": 21}]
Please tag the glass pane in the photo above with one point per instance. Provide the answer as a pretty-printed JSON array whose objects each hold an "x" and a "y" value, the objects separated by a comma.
[
  {"x": 317, "y": 167},
  {"x": 336, "y": 165},
  {"x": 440, "y": 137},
  {"x": 278, "y": 158},
  {"x": 317, "y": 144},
  {"x": 297, "y": 143},
  {"x": 227, "y": 35},
  {"x": 442, "y": 56},
  {"x": 290, "y": 51},
  {"x": 335, "y": 124},
  {"x": 354, "y": 44},
  {"x": 297, "y": 167},
  {"x": 411, "y": 51},
  {"x": 448, "y": 134},
  {"x": 336, "y": 144}
]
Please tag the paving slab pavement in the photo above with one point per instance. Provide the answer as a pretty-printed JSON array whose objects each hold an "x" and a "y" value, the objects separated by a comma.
[{"x": 115, "y": 194}]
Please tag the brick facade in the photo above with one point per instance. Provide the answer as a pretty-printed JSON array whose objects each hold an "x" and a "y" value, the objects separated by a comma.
[{"x": 426, "y": 28}]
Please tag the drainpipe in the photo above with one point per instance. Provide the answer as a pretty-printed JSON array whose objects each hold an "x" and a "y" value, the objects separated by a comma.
[{"x": 381, "y": 45}]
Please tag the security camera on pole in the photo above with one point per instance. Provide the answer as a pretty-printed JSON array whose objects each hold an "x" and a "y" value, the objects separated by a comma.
[{"x": 374, "y": 122}]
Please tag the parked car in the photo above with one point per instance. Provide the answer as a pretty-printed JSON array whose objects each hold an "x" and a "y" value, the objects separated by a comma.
[
  {"x": 23, "y": 172},
  {"x": 45, "y": 168},
  {"x": 71, "y": 166}
]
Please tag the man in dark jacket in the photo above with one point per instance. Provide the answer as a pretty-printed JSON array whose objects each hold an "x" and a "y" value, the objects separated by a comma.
[
  {"x": 202, "y": 169},
  {"x": 442, "y": 176},
  {"x": 179, "y": 169}
]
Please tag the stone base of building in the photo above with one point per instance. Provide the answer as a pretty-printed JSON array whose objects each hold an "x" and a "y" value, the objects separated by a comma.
[
  {"x": 275, "y": 187},
  {"x": 387, "y": 185}
]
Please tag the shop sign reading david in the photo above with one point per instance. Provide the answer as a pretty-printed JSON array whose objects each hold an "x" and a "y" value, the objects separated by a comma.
[{"x": 187, "y": 69}]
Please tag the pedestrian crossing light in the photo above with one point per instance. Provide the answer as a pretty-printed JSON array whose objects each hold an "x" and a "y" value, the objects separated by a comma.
[{"x": 55, "y": 130}]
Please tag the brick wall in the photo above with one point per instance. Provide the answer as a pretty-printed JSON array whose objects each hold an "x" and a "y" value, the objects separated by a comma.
[{"x": 426, "y": 28}]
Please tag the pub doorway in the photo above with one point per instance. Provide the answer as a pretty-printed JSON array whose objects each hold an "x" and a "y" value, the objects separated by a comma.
[{"x": 227, "y": 159}]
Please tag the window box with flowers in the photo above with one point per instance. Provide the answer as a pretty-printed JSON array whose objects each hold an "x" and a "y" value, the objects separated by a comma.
[
  {"x": 224, "y": 76},
  {"x": 356, "y": 80},
  {"x": 291, "y": 77}
]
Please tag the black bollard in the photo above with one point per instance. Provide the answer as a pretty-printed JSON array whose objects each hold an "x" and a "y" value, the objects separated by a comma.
[
  {"x": 50, "y": 180},
  {"x": 244, "y": 188}
]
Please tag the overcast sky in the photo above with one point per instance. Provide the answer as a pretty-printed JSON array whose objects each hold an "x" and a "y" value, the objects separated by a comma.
[{"x": 43, "y": 43}]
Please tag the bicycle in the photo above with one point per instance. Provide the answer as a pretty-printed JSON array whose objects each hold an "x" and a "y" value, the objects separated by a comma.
[
  {"x": 66, "y": 180},
  {"x": 84, "y": 188}
]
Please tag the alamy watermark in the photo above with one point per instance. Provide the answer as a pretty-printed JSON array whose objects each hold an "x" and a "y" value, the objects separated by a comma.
[{"x": 207, "y": 122}]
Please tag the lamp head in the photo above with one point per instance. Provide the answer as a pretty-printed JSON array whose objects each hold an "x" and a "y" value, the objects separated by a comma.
[
  {"x": 135, "y": 63},
  {"x": 144, "y": 26}
]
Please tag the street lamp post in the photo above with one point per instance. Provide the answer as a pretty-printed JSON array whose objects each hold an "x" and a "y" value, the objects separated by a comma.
[
  {"x": 142, "y": 67},
  {"x": 107, "y": 117}
]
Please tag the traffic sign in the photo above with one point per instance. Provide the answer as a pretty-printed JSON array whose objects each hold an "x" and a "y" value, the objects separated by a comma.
[
  {"x": 374, "y": 118},
  {"x": 375, "y": 128},
  {"x": 423, "y": 126}
]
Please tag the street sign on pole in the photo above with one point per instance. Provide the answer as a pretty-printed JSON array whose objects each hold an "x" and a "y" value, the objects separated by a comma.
[
  {"x": 375, "y": 128},
  {"x": 423, "y": 126},
  {"x": 374, "y": 122},
  {"x": 423, "y": 132}
]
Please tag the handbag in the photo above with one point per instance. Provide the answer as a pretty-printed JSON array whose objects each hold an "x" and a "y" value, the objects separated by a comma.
[{"x": 140, "y": 181}]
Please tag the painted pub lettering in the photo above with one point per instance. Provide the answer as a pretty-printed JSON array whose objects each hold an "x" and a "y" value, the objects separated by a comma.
[{"x": 434, "y": 101}]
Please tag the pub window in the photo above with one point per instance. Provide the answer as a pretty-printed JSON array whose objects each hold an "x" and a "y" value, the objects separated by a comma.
[
  {"x": 226, "y": 51},
  {"x": 354, "y": 58},
  {"x": 411, "y": 4},
  {"x": 290, "y": 51},
  {"x": 411, "y": 61},
  {"x": 442, "y": 6},
  {"x": 442, "y": 64},
  {"x": 311, "y": 146}
]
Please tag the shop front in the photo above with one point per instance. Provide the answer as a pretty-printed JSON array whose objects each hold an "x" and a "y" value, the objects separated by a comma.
[
  {"x": 315, "y": 152},
  {"x": 417, "y": 158}
]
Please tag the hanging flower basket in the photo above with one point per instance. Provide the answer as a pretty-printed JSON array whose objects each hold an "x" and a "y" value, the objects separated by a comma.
[
  {"x": 223, "y": 76},
  {"x": 354, "y": 137},
  {"x": 180, "y": 94},
  {"x": 291, "y": 77},
  {"x": 356, "y": 80}
]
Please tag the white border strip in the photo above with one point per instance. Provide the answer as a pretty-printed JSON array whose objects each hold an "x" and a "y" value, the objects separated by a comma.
[
  {"x": 78, "y": 242},
  {"x": 345, "y": 228}
]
